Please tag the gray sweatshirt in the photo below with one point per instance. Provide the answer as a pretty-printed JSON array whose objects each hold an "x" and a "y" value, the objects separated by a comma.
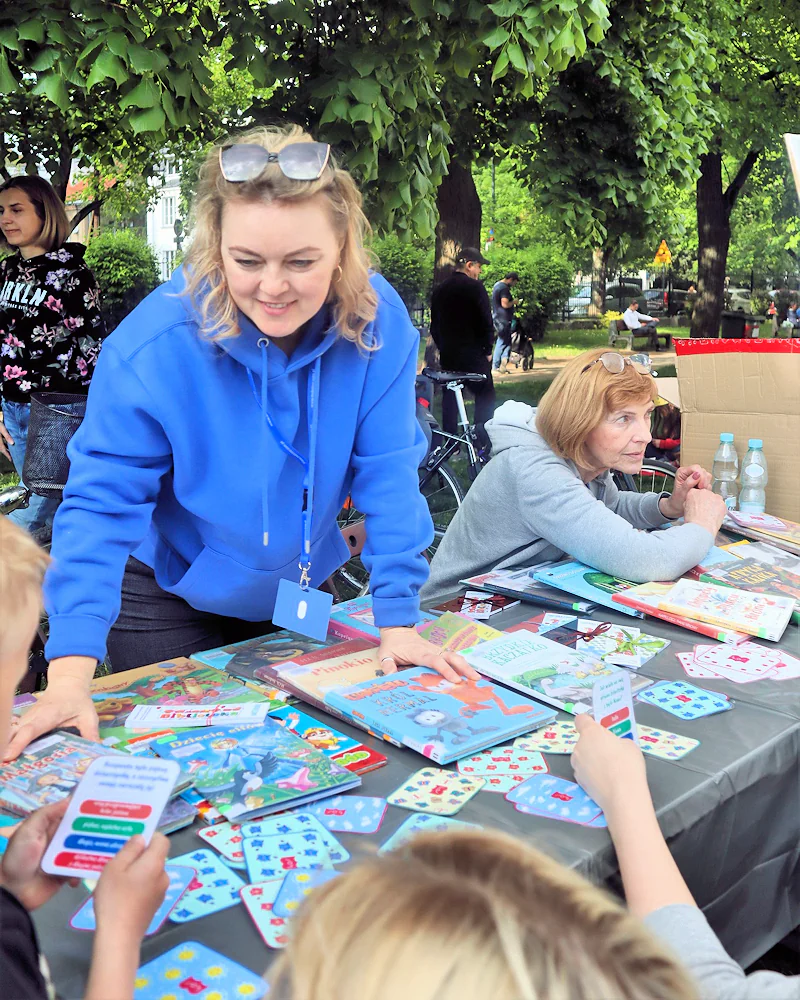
[
  {"x": 686, "y": 931},
  {"x": 528, "y": 506}
]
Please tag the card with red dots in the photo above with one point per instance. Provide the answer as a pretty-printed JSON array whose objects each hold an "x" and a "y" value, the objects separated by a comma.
[
  {"x": 193, "y": 970},
  {"x": 259, "y": 901}
]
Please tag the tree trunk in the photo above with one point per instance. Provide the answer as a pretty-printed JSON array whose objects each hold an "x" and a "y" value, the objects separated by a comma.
[
  {"x": 714, "y": 207},
  {"x": 459, "y": 222},
  {"x": 600, "y": 259}
]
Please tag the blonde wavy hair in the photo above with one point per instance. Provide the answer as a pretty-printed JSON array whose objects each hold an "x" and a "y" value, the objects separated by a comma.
[
  {"x": 22, "y": 567},
  {"x": 351, "y": 296},
  {"x": 471, "y": 915},
  {"x": 577, "y": 401}
]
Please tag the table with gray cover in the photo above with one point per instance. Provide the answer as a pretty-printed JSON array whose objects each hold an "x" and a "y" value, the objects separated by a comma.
[{"x": 730, "y": 811}]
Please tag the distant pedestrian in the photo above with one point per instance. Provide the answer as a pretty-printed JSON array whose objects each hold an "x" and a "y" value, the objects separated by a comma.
[
  {"x": 634, "y": 320},
  {"x": 503, "y": 303},
  {"x": 461, "y": 328}
]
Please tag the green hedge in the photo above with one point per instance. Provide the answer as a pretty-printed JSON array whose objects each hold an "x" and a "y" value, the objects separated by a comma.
[
  {"x": 545, "y": 274},
  {"x": 126, "y": 270},
  {"x": 407, "y": 267}
]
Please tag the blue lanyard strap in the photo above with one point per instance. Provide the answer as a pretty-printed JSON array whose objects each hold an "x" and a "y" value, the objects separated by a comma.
[{"x": 309, "y": 464}]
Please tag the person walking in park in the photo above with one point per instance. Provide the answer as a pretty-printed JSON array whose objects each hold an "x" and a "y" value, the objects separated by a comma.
[
  {"x": 503, "y": 303},
  {"x": 51, "y": 326},
  {"x": 461, "y": 328},
  {"x": 229, "y": 415}
]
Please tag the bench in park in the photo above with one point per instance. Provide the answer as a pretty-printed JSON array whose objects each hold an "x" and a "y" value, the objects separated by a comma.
[{"x": 619, "y": 335}]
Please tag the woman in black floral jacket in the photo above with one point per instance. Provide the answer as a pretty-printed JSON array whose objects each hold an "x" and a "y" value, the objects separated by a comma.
[{"x": 51, "y": 327}]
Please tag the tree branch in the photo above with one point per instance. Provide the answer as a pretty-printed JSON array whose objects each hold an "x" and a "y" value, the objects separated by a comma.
[
  {"x": 81, "y": 214},
  {"x": 735, "y": 187}
]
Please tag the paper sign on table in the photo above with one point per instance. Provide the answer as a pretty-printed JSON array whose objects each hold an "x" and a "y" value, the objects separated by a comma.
[
  {"x": 612, "y": 705},
  {"x": 180, "y": 878},
  {"x": 117, "y": 798},
  {"x": 194, "y": 716},
  {"x": 193, "y": 970}
]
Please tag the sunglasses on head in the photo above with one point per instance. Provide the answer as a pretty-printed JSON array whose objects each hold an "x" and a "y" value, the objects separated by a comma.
[
  {"x": 299, "y": 161},
  {"x": 615, "y": 363}
]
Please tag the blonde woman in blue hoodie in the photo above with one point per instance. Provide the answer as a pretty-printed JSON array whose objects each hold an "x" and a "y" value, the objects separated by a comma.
[{"x": 229, "y": 417}]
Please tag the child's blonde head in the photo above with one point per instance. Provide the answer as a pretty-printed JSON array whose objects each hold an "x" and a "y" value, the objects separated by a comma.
[
  {"x": 22, "y": 568},
  {"x": 471, "y": 916}
]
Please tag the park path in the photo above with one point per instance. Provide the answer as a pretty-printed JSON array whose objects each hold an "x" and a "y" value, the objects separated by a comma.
[{"x": 550, "y": 368}]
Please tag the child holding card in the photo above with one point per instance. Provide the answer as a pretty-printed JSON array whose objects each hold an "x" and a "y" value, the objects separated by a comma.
[
  {"x": 133, "y": 883},
  {"x": 612, "y": 771}
]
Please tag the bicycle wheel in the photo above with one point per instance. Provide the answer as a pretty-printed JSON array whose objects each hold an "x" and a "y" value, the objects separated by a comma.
[
  {"x": 443, "y": 493},
  {"x": 655, "y": 477}
]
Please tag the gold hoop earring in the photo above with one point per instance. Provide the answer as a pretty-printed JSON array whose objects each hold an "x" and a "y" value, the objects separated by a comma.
[{"x": 341, "y": 272}]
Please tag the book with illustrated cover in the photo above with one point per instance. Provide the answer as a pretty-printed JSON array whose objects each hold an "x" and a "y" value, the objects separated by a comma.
[
  {"x": 576, "y": 578},
  {"x": 242, "y": 659},
  {"x": 762, "y": 615},
  {"x": 520, "y": 584},
  {"x": 354, "y": 619},
  {"x": 716, "y": 557},
  {"x": 341, "y": 749},
  {"x": 757, "y": 578},
  {"x": 443, "y": 721},
  {"x": 46, "y": 771},
  {"x": 310, "y": 676},
  {"x": 546, "y": 670},
  {"x": 456, "y": 632},
  {"x": 477, "y": 604},
  {"x": 173, "y": 683},
  {"x": 647, "y": 597},
  {"x": 765, "y": 528},
  {"x": 248, "y": 771},
  {"x": 767, "y": 554}
]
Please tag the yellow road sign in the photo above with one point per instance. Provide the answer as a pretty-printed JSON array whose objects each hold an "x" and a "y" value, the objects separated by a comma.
[{"x": 663, "y": 256}]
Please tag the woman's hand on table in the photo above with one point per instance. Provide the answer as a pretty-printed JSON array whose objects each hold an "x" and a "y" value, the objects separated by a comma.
[
  {"x": 20, "y": 871},
  {"x": 401, "y": 647},
  {"x": 65, "y": 702},
  {"x": 687, "y": 478}
]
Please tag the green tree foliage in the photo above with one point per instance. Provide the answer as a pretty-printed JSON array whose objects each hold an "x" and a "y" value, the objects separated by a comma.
[
  {"x": 126, "y": 270},
  {"x": 406, "y": 266},
  {"x": 545, "y": 273}
]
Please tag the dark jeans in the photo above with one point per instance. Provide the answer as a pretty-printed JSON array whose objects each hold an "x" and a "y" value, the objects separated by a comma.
[
  {"x": 154, "y": 625},
  {"x": 484, "y": 395}
]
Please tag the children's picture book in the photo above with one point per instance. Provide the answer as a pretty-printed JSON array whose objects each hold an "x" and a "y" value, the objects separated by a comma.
[
  {"x": 545, "y": 670},
  {"x": 354, "y": 619},
  {"x": 757, "y": 578},
  {"x": 249, "y": 771},
  {"x": 195, "y": 716},
  {"x": 340, "y": 748},
  {"x": 173, "y": 684},
  {"x": 520, "y": 584},
  {"x": 443, "y": 721},
  {"x": 766, "y": 554},
  {"x": 647, "y": 597},
  {"x": 456, "y": 632},
  {"x": 762, "y": 615},
  {"x": 477, "y": 604},
  {"x": 716, "y": 557},
  {"x": 576, "y": 578},
  {"x": 241, "y": 659},
  {"x": 765, "y": 528},
  {"x": 46, "y": 771}
]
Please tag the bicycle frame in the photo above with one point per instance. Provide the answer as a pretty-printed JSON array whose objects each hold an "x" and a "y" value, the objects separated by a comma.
[{"x": 441, "y": 453}]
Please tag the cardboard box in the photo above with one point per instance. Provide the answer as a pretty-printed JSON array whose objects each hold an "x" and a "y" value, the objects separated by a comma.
[{"x": 750, "y": 388}]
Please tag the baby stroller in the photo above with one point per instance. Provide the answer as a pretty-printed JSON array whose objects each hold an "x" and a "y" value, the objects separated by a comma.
[{"x": 521, "y": 346}]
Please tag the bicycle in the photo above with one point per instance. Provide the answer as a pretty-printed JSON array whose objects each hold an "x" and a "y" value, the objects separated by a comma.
[
  {"x": 438, "y": 482},
  {"x": 653, "y": 477}
]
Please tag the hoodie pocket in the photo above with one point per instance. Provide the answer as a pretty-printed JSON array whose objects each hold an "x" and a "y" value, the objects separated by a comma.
[{"x": 222, "y": 585}]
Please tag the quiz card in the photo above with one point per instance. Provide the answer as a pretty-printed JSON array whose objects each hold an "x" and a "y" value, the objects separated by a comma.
[
  {"x": 118, "y": 798},
  {"x": 612, "y": 705}
]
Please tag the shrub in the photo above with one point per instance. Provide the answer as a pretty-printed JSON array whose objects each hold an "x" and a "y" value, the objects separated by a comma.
[
  {"x": 126, "y": 270},
  {"x": 545, "y": 274},
  {"x": 407, "y": 267},
  {"x": 612, "y": 314}
]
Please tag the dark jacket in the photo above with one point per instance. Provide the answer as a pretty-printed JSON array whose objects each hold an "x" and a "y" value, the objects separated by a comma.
[
  {"x": 51, "y": 327},
  {"x": 461, "y": 323}
]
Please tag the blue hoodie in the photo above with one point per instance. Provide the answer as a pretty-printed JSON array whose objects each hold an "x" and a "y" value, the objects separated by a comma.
[{"x": 173, "y": 464}]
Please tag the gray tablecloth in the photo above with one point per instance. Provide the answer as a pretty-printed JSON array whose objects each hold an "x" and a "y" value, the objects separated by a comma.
[{"x": 730, "y": 811}]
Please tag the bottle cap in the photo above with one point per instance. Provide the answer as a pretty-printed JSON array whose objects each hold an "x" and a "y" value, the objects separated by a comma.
[
  {"x": 755, "y": 443},
  {"x": 726, "y": 438}
]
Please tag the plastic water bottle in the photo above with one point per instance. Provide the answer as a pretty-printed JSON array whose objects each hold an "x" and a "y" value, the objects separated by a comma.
[
  {"x": 752, "y": 498},
  {"x": 725, "y": 470}
]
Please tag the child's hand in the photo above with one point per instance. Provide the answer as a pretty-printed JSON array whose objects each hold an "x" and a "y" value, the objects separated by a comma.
[
  {"x": 132, "y": 887},
  {"x": 19, "y": 870},
  {"x": 607, "y": 767}
]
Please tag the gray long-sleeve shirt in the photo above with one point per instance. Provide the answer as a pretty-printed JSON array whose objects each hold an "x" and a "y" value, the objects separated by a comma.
[
  {"x": 529, "y": 506},
  {"x": 686, "y": 931}
]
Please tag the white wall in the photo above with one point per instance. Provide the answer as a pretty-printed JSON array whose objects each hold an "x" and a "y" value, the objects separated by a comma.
[{"x": 161, "y": 218}]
